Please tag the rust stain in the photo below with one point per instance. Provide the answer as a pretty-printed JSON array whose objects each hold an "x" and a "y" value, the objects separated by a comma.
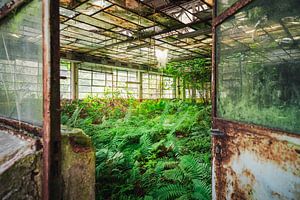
[
  {"x": 248, "y": 174},
  {"x": 77, "y": 147},
  {"x": 261, "y": 142},
  {"x": 132, "y": 4},
  {"x": 268, "y": 147},
  {"x": 20, "y": 127}
]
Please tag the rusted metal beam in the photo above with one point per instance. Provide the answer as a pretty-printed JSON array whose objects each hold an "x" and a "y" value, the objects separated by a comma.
[
  {"x": 51, "y": 102},
  {"x": 254, "y": 129},
  {"x": 150, "y": 35},
  {"x": 21, "y": 126},
  {"x": 214, "y": 74},
  {"x": 10, "y": 6},
  {"x": 74, "y": 81},
  {"x": 231, "y": 11},
  {"x": 104, "y": 61}
]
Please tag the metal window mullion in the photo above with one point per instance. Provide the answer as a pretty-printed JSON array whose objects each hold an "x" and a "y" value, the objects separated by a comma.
[{"x": 229, "y": 11}]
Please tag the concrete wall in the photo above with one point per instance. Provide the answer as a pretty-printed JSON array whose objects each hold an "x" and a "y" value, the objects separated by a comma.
[{"x": 21, "y": 166}]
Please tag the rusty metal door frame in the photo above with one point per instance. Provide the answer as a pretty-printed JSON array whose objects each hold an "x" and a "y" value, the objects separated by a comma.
[
  {"x": 50, "y": 132},
  {"x": 52, "y": 184}
]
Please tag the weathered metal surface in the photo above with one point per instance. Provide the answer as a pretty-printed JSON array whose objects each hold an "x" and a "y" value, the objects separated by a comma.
[
  {"x": 10, "y": 6},
  {"x": 105, "y": 61},
  {"x": 51, "y": 102},
  {"x": 19, "y": 126},
  {"x": 230, "y": 11},
  {"x": 252, "y": 162},
  {"x": 214, "y": 73}
]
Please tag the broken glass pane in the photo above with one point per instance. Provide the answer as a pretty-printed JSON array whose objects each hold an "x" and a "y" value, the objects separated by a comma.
[{"x": 21, "y": 65}]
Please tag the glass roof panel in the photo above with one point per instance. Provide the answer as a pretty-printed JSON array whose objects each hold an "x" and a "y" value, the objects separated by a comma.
[
  {"x": 93, "y": 6},
  {"x": 130, "y": 16},
  {"x": 135, "y": 6},
  {"x": 94, "y": 22},
  {"x": 164, "y": 20},
  {"x": 88, "y": 34},
  {"x": 82, "y": 25},
  {"x": 66, "y": 12},
  {"x": 72, "y": 4},
  {"x": 116, "y": 20},
  {"x": 131, "y": 30}
]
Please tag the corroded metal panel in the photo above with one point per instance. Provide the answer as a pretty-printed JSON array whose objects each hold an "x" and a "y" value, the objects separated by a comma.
[{"x": 250, "y": 162}]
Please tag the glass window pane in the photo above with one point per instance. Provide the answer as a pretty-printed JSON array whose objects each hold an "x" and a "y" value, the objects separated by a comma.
[
  {"x": 167, "y": 87},
  {"x": 258, "y": 58},
  {"x": 21, "y": 65},
  {"x": 222, "y": 5},
  {"x": 65, "y": 80}
]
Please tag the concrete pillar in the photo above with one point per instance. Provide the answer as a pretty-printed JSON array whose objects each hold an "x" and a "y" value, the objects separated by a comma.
[{"x": 78, "y": 165}]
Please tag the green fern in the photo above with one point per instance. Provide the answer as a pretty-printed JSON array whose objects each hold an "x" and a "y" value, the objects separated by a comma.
[
  {"x": 193, "y": 169},
  {"x": 202, "y": 191},
  {"x": 171, "y": 191},
  {"x": 148, "y": 150},
  {"x": 72, "y": 122},
  {"x": 174, "y": 174}
]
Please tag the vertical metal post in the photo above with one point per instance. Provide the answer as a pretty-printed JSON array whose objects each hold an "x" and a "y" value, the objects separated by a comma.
[
  {"x": 183, "y": 90},
  {"x": 161, "y": 82},
  {"x": 74, "y": 81},
  {"x": 51, "y": 184},
  {"x": 140, "y": 78},
  {"x": 193, "y": 94},
  {"x": 178, "y": 86},
  {"x": 174, "y": 92}
]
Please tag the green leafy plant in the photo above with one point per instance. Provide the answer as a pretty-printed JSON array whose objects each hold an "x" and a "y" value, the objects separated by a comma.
[
  {"x": 146, "y": 150},
  {"x": 196, "y": 73}
]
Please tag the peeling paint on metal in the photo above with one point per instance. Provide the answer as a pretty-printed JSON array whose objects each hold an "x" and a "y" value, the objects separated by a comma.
[{"x": 255, "y": 163}]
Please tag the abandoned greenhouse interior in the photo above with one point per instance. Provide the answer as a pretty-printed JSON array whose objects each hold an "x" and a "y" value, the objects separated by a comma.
[{"x": 149, "y": 99}]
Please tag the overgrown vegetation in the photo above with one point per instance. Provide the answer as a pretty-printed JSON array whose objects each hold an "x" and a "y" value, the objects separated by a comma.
[
  {"x": 195, "y": 73},
  {"x": 146, "y": 150}
]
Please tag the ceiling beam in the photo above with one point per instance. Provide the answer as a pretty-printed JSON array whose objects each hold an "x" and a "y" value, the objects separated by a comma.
[
  {"x": 81, "y": 57},
  {"x": 150, "y": 35}
]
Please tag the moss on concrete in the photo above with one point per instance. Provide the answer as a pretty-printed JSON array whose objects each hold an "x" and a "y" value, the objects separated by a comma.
[
  {"x": 20, "y": 176},
  {"x": 78, "y": 166}
]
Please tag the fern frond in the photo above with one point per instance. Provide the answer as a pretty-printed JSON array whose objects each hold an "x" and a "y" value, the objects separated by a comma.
[
  {"x": 202, "y": 191},
  {"x": 148, "y": 197},
  {"x": 184, "y": 197},
  {"x": 170, "y": 192},
  {"x": 73, "y": 119},
  {"x": 174, "y": 174},
  {"x": 146, "y": 142},
  {"x": 170, "y": 164},
  {"x": 193, "y": 169}
]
